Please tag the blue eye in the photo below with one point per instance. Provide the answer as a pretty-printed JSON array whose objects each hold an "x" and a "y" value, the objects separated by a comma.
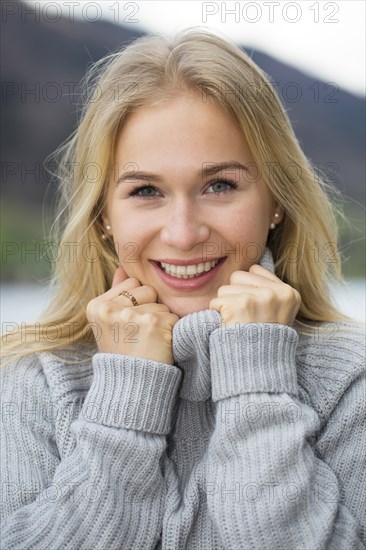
[
  {"x": 137, "y": 191},
  {"x": 232, "y": 185}
]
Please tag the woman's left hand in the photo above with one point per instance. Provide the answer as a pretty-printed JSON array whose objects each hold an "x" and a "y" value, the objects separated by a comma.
[{"x": 256, "y": 296}]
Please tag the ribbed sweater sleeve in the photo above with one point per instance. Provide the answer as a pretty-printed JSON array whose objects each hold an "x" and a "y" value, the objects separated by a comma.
[
  {"x": 108, "y": 491},
  {"x": 266, "y": 488}
]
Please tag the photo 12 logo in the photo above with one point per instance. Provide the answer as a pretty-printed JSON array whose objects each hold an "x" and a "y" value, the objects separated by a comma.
[
  {"x": 269, "y": 12},
  {"x": 53, "y": 12}
]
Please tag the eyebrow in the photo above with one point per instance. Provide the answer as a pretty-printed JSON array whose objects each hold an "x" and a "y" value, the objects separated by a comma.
[{"x": 209, "y": 170}]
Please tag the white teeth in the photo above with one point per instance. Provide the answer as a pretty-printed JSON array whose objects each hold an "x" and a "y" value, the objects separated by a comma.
[
  {"x": 188, "y": 271},
  {"x": 181, "y": 270},
  {"x": 191, "y": 270}
]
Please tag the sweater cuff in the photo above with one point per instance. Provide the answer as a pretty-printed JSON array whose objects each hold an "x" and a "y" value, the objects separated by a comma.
[
  {"x": 253, "y": 357},
  {"x": 132, "y": 392}
]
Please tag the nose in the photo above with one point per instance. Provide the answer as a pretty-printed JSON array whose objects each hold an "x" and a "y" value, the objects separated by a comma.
[{"x": 184, "y": 228}]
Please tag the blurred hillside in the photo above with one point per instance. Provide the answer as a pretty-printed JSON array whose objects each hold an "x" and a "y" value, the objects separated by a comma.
[{"x": 42, "y": 66}]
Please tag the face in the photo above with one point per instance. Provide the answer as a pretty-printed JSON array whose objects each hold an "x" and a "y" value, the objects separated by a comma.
[{"x": 166, "y": 206}]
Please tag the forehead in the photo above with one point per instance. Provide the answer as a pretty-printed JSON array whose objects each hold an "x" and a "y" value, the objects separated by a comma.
[{"x": 185, "y": 126}]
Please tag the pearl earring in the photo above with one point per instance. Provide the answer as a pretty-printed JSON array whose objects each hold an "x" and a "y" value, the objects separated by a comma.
[
  {"x": 104, "y": 236},
  {"x": 273, "y": 225}
]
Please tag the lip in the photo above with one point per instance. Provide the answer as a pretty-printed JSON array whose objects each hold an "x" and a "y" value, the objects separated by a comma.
[
  {"x": 193, "y": 261},
  {"x": 187, "y": 284}
]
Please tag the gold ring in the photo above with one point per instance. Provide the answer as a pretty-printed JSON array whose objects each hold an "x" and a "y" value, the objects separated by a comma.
[{"x": 129, "y": 295}]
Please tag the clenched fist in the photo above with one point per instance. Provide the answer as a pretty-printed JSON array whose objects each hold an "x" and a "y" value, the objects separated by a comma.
[
  {"x": 120, "y": 327},
  {"x": 257, "y": 296}
]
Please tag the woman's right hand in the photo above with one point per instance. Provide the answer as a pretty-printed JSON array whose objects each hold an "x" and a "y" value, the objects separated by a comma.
[{"x": 120, "y": 327}]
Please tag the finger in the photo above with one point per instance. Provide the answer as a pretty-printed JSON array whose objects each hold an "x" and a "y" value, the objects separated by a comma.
[
  {"x": 119, "y": 276},
  {"x": 128, "y": 284},
  {"x": 238, "y": 289},
  {"x": 254, "y": 279},
  {"x": 172, "y": 318},
  {"x": 260, "y": 270},
  {"x": 143, "y": 294},
  {"x": 115, "y": 315},
  {"x": 149, "y": 307},
  {"x": 218, "y": 302},
  {"x": 168, "y": 317}
]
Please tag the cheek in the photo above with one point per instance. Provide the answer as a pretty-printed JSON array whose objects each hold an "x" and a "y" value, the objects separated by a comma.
[
  {"x": 247, "y": 224},
  {"x": 130, "y": 233}
]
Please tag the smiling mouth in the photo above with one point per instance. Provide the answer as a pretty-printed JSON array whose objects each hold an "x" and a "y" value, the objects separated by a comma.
[{"x": 190, "y": 271}]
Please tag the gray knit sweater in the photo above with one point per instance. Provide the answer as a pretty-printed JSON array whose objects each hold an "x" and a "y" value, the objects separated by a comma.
[{"x": 254, "y": 439}]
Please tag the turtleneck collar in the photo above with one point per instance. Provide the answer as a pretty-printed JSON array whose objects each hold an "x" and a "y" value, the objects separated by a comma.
[
  {"x": 191, "y": 351},
  {"x": 191, "y": 345}
]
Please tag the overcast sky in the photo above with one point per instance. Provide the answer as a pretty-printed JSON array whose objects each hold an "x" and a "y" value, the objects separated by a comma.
[{"x": 324, "y": 39}]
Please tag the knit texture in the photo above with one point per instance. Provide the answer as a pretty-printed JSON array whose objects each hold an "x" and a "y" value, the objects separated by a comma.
[{"x": 254, "y": 439}]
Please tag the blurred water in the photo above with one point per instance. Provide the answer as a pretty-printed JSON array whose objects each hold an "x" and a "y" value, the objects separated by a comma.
[{"x": 25, "y": 302}]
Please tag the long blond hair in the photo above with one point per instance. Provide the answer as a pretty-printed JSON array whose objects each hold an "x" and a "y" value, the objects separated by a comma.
[{"x": 148, "y": 70}]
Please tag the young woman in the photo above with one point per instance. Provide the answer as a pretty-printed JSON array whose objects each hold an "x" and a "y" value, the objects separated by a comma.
[{"x": 191, "y": 384}]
